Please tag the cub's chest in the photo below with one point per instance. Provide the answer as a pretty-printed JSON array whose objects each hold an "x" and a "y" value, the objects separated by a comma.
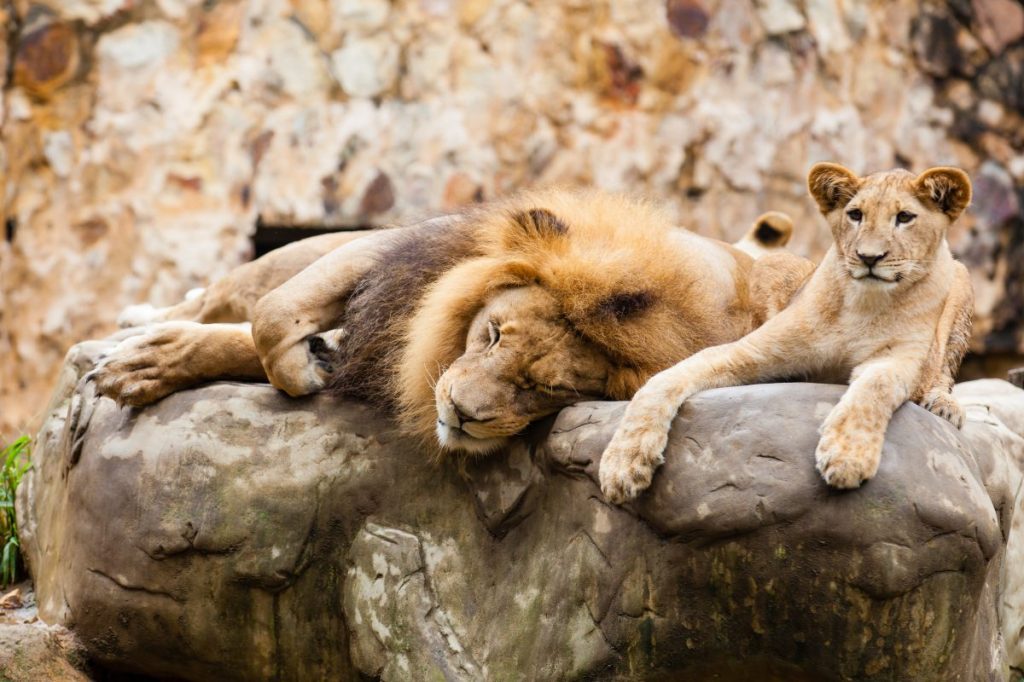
[{"x": 861, "y": 336}]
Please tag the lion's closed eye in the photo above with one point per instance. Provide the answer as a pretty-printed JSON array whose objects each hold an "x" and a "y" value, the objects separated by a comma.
[
  {"x": 554, "y": 388},
  {"x": 494, "y": 334}
]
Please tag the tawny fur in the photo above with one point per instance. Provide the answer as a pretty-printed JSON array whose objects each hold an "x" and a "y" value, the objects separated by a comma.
[
  {"x": 469, "y": 327},
  {"x": 611, "y": 311},
  {"x": 233, "y": 297},
  {"x": 888, "y": 310}
]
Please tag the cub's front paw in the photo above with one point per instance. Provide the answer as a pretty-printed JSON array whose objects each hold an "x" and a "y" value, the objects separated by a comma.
[
  {"x": 629, "y": 462},
  {"x": 943, "y": 404},
  {"x": 845, "y": 460}
]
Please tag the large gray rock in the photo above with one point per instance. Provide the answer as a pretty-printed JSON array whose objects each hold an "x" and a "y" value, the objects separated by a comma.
[{"x": 229, "y": 532}]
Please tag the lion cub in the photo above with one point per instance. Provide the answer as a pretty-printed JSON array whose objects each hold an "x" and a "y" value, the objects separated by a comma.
[{"x": 887, "y": 310}]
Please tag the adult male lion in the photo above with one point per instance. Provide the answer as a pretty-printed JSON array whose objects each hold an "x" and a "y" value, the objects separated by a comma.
[{"x": 470, "y": 326}]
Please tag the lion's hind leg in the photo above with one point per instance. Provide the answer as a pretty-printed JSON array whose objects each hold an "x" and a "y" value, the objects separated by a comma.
[
  {"x": 141, "y": 314},
  {"x": 233, "y": 297}
]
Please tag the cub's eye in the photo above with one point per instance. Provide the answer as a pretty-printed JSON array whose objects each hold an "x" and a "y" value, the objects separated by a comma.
[
  {"x": 855, "y": 215},
  {"x": 495, "y": 333},
  {"x": 904, "y": 217}
]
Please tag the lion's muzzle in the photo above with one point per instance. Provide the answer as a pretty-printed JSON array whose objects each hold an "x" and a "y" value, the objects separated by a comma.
[{"x": 456, "y": 430}]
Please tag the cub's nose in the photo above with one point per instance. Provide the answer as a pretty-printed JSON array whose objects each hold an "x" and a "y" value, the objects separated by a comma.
[{"x": 870, "y": 260}]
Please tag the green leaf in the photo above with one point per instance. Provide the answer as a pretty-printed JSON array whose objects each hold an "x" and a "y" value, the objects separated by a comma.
[{"x": 14, "y": 462}]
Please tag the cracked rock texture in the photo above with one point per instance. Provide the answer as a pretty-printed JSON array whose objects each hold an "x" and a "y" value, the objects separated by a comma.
[
  {"x": 228, "y": 532},
  {"x": 140, "y": 141}
]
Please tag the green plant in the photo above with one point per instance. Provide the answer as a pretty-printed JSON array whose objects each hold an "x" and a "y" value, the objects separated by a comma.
[{"x": 14, "y": 461}]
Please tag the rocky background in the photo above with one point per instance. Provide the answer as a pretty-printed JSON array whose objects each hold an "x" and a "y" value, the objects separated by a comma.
[{"x": 142, "y": 141}]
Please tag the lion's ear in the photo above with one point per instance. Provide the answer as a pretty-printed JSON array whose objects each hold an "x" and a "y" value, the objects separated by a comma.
[
  {"x": 948, "y": 189},
  {"x": 540, "y": 222},
  {"x": 832, "y": 186},
  {"x": 772, "y": 229}
]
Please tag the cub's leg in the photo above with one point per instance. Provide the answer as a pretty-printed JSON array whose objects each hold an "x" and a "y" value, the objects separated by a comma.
[
  {"x": 852, "y": 435},
  {"x": 637, "y": 447},
  {"x": 170, "y": 356},
  {"x": 952, "y": 336}
]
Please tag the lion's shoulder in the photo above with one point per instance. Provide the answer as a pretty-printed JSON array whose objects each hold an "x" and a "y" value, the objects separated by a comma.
[{"x": 775, "y": 279}]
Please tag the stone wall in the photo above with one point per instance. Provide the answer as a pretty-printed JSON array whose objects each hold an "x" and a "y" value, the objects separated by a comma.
[{"x": 142, "y": 140}]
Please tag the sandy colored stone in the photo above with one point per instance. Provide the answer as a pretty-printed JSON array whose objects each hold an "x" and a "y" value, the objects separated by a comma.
[
  {"x": 366, "y": 68},
  {"x": 1001, "y": 22},
  {"x": 47, "y": 58},
  {"x": 780, "y": 16},
  {"x": 229, "y": 532},
  {"x": 687, "y": 18}
]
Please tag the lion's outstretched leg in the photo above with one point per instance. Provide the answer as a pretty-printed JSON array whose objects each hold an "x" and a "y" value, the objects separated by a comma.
[
  {"x": 233, "y": 297},
  {"x": 635, "y": 450},
  {"x": 170, "y": 356},
  {"x": 952, "y": 336}
]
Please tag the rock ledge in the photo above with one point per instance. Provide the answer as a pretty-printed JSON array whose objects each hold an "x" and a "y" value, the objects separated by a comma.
[{"x": 229, "y": 532}]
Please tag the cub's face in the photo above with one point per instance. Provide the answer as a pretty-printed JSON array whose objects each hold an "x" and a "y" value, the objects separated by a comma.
[
  {"x": 522, "y": 362},
  {"x": 888, "y": 226}
]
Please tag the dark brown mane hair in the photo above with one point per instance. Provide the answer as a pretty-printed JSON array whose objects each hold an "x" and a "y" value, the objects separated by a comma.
[{"x": 385, "y": 298}]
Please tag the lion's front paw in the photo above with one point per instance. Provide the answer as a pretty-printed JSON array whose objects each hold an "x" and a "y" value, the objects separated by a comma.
[
  {"x": 144, "y": 368},
  {"x": 943, "y": 404},
  {"x": 845, "y": 460},
  {"x": 629, "y": 462}
]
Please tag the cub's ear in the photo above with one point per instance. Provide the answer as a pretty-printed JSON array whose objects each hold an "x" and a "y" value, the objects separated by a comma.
[
  {"x": 949, "y": 189},
  {"x": 832, "y": 186},
  {"x": 540, "y": 222}
]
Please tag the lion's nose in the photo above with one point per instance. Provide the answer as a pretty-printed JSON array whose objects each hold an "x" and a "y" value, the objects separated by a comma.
[
  {"x": 460, "y": 413},
  {"x": 870, "y": 259}
]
